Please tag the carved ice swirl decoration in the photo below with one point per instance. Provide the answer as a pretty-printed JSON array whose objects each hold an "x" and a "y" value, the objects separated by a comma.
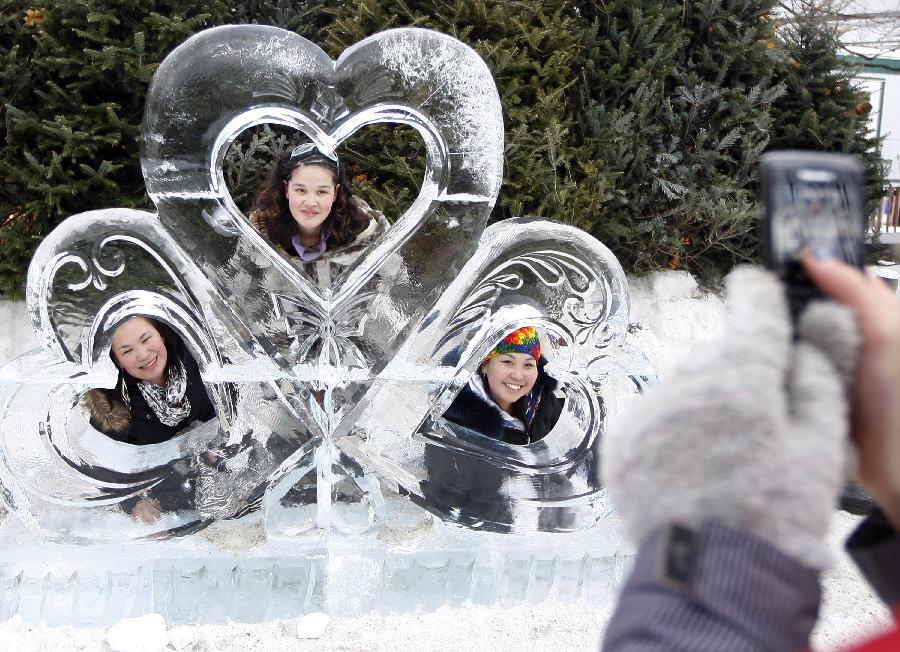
[{"x": 326, "y": 397}]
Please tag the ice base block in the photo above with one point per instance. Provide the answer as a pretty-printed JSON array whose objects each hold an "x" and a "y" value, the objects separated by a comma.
[{"x": 230, "y": 572}]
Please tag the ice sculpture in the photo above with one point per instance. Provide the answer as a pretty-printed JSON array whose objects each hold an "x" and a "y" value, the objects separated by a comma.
[{"x": 329, "y": 400}]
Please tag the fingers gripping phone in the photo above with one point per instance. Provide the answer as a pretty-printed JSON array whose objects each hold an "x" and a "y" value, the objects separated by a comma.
[{"x": 810, "y": 200}]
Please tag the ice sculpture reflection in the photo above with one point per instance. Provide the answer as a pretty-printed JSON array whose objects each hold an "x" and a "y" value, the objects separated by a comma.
[{"x": 328, "y": 395}]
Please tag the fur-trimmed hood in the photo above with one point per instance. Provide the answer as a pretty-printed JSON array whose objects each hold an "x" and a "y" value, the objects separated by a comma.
[
  {"x": 346, "y": 254},
  {"x": 107, "y": 414}
]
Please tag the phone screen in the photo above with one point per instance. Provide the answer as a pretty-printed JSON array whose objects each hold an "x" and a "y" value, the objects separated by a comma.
[{"x": 812, "y": 200}]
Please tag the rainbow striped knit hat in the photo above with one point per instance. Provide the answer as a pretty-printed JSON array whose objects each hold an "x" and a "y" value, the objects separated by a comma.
[{"x": 523, "y": 340}]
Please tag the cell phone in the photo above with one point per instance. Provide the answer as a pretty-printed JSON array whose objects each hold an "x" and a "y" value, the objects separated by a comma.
[{"x": 810, "y": 200}]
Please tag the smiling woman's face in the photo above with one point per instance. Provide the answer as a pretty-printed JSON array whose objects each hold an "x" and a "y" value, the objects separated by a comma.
[
  {"x": 510, "y": 376},
  {"x": 311, "y": 191},
  {"x": 140, "y": 350}
]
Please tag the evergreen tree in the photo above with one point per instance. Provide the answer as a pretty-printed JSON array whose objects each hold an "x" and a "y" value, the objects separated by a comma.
[
  {"x": 73, "y": 115},
  {"x": 618, "y": 187},
  {"x": 640, "y": 121},
  {"x": 717, "y": 118},
  {"x": 823, "y": 107},
  {"x": 72, "y": 95},
  {"x": 19, "y": 234}
]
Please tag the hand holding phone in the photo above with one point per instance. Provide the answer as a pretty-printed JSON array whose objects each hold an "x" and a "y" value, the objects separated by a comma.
[{"x": 811, "y": 200}]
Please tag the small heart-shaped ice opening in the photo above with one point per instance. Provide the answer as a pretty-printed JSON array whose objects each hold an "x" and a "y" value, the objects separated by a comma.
[{"x": 381, "y": 166}]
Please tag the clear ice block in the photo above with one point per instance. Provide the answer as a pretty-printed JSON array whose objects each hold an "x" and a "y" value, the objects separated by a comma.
[{"x": 329, "y": 398}]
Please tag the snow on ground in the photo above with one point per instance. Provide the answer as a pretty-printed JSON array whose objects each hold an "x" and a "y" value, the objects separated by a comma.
[
  {"x": 477, "y": 628},
  {"x": 850, "y": 612},
  {"x": 17, "y": 335},
  {"x": 669, "y": 316}
]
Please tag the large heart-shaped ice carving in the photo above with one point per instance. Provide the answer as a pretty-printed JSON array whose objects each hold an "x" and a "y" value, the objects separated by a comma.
[
  {"x": 299, "y": 372},
  {"x": 251, "y": 75}
]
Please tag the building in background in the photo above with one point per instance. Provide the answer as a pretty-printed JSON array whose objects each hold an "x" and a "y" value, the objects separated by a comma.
[
  {"x": 881, "y": 78},
  {"x": 871, "y": 38}
]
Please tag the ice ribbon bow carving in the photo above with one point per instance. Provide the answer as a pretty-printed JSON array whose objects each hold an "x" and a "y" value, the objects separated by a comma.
[{"x": 322, "y": 393}]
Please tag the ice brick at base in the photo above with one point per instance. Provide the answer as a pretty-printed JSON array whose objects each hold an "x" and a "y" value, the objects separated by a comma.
[{"x": 200, "y": 580}]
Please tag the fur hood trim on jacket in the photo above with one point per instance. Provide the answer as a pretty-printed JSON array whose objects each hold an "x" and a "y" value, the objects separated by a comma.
[
  {"x": 346, "y": 254},
  {"x": 108, "y": 413}
]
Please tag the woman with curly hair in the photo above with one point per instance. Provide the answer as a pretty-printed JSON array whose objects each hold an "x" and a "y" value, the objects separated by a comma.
[{"x": 307, "y": 209}]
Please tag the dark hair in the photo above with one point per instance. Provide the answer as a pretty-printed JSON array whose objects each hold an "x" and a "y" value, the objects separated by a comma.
[
  {"x": 344, "y": 223},
  {"x": 519, "y": 408},
  {"x": 110, "y": 409}
]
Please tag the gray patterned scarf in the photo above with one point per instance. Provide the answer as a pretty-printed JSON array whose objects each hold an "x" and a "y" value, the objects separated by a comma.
[{"x": 169, "y": 403}]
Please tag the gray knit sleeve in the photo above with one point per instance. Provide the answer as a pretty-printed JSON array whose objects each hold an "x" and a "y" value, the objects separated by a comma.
[{"x": 713, "y": 589}]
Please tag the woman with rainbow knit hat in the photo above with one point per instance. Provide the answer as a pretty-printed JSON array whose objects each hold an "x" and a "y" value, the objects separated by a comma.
[{"x": 511, "y": 398}]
